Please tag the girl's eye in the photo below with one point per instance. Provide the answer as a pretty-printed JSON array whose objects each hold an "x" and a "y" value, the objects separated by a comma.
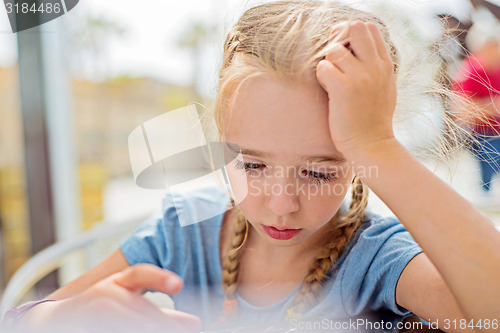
[
  {"x": 318, "y": 177},
  {"x": 248, "y": 166}
]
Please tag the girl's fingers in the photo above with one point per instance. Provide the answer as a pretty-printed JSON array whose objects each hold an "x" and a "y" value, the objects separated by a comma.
[
  {"x": 143, "y": 309},
  {"x": 105, "y": 315},
  {"x": 329, "y": 76},
  {"x": 340, "y": 32},
  {"x": 176, "y": 321},
  {"x": 189, "y": 322},
  {"x": 142, "y": 277},
  {"x": 361, "y": 41},
  {"x": 380, "y": 45},
  {"x": 341, "y": 57},
  {"x": 118, "y": 316}
]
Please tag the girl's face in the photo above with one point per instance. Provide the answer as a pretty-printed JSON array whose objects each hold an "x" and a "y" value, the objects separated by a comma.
[{"x": 295, "y": 177}]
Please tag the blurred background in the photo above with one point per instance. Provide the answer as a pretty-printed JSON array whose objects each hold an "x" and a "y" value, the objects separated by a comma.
[{"x": 73, "y": 89}]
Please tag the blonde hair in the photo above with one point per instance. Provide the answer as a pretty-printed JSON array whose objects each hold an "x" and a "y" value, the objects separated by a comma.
[{"x": 287, "y": 39}]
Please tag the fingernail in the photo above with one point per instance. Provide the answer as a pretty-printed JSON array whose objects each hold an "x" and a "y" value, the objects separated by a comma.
[{"x": 173, "y": 282}]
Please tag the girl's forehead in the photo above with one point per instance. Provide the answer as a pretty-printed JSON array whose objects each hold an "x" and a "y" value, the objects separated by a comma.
[{"x": 279, "y": 117}]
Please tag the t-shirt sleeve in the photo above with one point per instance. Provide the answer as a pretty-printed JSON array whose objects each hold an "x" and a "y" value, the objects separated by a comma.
[
  {"x": 149, "y": 243},
  {"x": 161, "y": 240},
  {"x": 374, "y": 265},
  {"x": 191, "y": 250}
]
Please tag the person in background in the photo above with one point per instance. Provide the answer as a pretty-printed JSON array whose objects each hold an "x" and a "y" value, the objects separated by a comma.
[{"x": 478, "y": 79}]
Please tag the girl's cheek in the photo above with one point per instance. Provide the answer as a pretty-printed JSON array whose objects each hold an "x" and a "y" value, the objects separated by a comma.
[{"x": 256, "y": 188}]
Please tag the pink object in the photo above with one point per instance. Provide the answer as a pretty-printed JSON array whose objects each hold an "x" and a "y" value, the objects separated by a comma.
[
  {"x": 474, "y": 82},
  {"x": 14, "y": 315}
]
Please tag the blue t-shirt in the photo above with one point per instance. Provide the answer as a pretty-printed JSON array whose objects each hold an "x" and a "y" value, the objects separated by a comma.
[{"x": 363, "y": 283}]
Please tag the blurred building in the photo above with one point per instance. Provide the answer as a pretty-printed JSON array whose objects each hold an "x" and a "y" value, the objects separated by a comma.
[{"x": 105, "y": 114}]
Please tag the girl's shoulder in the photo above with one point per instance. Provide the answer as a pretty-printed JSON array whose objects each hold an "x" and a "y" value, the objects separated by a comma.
[
  {"x": 381, "y": 230},
  {"x": 378, "y": 237},
  {"x": 187, "y": 225}
]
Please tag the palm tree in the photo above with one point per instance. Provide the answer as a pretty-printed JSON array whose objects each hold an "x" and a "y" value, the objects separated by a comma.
[{"x": 195, "y": 36}]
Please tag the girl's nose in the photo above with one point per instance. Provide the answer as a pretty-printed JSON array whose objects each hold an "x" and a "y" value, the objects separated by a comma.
[{"x": 282, "y": 199}]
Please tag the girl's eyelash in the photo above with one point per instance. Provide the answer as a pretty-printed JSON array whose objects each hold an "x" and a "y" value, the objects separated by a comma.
[
  {"x": 317, "y": 177},
  {"x": 247, "y": 166}
]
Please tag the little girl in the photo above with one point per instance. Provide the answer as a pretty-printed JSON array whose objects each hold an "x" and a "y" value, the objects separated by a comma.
[{"x": 308, "y": 87}]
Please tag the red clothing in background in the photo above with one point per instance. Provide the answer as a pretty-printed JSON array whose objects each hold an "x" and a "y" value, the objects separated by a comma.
[{"x": 473, "y": 81}]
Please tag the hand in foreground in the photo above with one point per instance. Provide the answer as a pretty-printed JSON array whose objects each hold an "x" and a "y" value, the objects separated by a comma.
[
  {"x": 116, "y": 304},
  {"x": 361, "y": 87}
]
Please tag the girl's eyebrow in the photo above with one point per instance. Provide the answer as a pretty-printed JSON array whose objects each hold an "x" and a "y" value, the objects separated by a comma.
[{"x": 311, "y": 158}]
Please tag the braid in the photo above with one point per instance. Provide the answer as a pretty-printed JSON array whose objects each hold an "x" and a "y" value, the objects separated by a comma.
[
  {"x": 231, "y": 262},
  {"x": 358, "y": 203},
  {"x": 339, "y": 235}
]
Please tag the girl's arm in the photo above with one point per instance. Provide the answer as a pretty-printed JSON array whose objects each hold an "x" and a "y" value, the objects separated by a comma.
[
  {"x": 461, "y": 243},
  {"x": 422, "y": 289},
  {"x": 115, "y": 263}
]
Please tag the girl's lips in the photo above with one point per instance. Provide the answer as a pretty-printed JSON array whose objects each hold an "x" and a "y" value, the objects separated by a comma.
[{"x": 281, "y": 234}]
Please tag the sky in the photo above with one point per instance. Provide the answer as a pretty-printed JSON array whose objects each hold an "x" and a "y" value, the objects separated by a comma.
[{"x": 153, "y": 27}]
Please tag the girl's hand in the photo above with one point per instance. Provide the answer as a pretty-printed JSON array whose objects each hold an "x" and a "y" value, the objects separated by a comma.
[
  {"x": 115, "y": 304},
  {"x": 361, "y": 88}
]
